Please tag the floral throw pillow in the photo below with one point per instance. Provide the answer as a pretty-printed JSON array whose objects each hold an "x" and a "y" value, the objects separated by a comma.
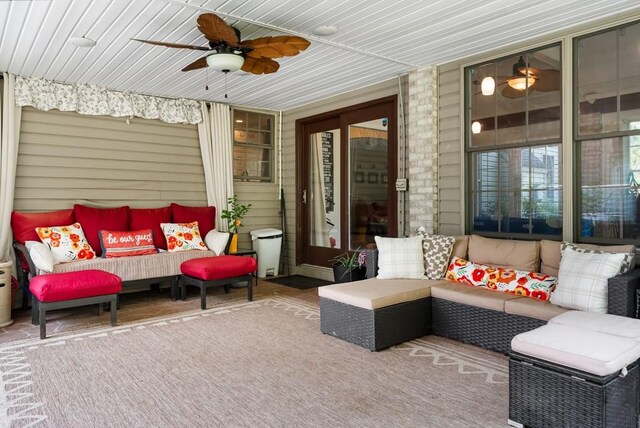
[
  {"x": 522, "y": 283},
  {"x": 183, "y": 236},
  {"x": 67, "y": 243}
]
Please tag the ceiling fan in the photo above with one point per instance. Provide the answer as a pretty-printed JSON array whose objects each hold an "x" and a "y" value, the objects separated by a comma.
[
  {"x": 523, "y": 81},
  {"x": 226, "y": 52}
]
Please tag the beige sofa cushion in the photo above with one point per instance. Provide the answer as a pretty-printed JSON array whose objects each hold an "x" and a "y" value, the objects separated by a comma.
[
  {"x": 460, "y": 247},
  {"x": 472, "y": 296},
  {"x": 533, "y": 308},
  {"x": 374, "y": 293},
  {"x": 550, "y": 254},
  {"x": 510, "y": 254}
]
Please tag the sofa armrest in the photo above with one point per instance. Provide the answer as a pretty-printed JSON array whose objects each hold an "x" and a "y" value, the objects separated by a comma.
[
  {"x": 371, "y": 262},
  {"x": 622, "y": 293},
  {"x": 23, "y": 250}
]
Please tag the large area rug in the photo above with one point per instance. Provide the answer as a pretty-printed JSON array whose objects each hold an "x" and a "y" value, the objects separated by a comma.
[{"x": 257, "y": 364}]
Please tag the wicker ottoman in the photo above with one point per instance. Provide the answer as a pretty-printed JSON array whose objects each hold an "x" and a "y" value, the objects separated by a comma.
[
  {"x": 566, "y": 376},
  {"x": 376, "y": 314}
]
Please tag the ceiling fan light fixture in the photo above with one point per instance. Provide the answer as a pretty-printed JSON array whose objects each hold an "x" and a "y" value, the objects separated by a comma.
[
  {"x": 521, "y": 83},
  {"x": 225, "y": 62},
  {"x": 476, "y": 127},
  {"x": 488, "y": 85}
]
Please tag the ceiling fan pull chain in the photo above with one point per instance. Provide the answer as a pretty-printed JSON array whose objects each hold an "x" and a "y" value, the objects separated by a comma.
[
  {"x": 225, "y": 84},
  {"x": 206, "y": 82}
]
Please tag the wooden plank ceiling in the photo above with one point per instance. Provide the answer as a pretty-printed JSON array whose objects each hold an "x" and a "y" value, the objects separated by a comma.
[{"x": 376, "y": 40}]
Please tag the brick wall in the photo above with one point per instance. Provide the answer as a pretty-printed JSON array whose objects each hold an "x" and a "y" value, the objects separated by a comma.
[{"x": 422, "y": 135}]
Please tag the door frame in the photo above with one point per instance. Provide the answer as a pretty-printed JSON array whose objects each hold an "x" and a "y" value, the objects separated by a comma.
[{"x": 342, "y": 114}]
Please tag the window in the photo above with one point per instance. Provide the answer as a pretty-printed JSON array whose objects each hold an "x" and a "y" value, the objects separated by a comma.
[
  {"x": 607, "y": 135},
  {"x": 513, "y": 143},
  {"x": 253, "y": 142}
]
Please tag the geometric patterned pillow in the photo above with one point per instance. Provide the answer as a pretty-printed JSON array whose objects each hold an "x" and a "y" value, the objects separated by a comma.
[
  {"x": 67, "y": 243},
  {"x": 628, "y": 263},
  {"x": 183, "y": 236},
  {"x": 583, "y": 280},
  {"x": 437, "y": 250}
]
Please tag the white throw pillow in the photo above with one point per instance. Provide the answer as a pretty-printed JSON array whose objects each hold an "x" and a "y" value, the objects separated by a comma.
[
  {"x": 216, "y": 241},
  {"x": 400, "y": 258},
  {"x": 583, "y": 280},
  {"x": 40, "y": 255}
]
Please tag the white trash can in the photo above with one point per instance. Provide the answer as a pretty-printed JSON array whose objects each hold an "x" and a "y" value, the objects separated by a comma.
[
  {"x": 5, "y": 293},
  {"x": 267, "y": 243}
]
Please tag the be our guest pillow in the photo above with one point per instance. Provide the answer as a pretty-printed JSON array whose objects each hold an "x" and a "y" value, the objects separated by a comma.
[
  {"x": 126, "y": 243},
  {"x": 400, "y": 258}
]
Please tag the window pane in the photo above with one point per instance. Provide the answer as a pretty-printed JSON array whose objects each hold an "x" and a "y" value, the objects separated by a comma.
[
  {"x": 609, "y": 189},
  {"x": 609, "y": 80},
  {"x": 252, "y": 145},
  {"x": 525, "y": 103},
  {"x": 518, "y": 191},
  {"x": 251, "y": 163}
]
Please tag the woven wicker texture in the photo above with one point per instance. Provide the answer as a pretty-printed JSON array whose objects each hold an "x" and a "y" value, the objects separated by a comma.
[
  {"x": 483, "y": 327},
  {"x": 371, "y": 263},
  {"x": 622, "y": 293},
  {"x": 376, "y": 329},
  {"x": 547, "y": 395},
  {"x": 137, "y": 267}
]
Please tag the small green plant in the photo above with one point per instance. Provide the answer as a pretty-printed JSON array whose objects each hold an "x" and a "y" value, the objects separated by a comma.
[
  {"x": 350, "y": 260},
  {"x": 235, "y": 214}
]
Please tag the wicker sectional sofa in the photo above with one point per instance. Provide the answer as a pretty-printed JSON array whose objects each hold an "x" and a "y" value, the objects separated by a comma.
[{"x": 373, "y": 314}]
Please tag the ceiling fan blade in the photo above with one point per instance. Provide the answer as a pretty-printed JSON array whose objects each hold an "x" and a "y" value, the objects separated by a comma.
[
  {"x": 199, "y": 63},
  {"x": 174, "y": 45},
  {"x": 216, "y": 30},
  {"x": 275, "y": 47},
  {"x": 260, "y": 65},
  {"x": 509, "y": 92},
  {"x": 548, "y": 80}
]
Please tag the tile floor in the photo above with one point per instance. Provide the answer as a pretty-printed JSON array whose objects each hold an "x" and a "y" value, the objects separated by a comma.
[{"x": 138, "y": 306}]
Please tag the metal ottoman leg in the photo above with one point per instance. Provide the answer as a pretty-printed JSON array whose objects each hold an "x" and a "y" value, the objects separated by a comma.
[
  {"x": 43, "y": 319},
  {"x": 183, "y": 290},
  {"x": 203, "y": 296},
  {"x": 113, "y": 310},
  {"x": 250, "y": 287},
  {"x": 35, "y": 315}
]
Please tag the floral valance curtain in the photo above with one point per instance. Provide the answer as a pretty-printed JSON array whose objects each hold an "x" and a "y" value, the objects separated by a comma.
[{"x": 93, "y": 100}]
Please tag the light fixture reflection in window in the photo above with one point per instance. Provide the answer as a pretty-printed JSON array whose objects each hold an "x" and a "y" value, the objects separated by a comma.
[
  {"x": 488, "y": 85},
  {"x": 521, "y": 83},
  {"x": 476, "y": 127}
]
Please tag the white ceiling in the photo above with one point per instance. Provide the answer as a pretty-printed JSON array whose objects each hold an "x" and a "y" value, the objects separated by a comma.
[{"x": 376, "y": 40}]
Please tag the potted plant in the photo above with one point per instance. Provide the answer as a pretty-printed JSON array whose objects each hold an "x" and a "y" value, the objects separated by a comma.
[
  {"x": 234, "y": 217},
  {"x": 349, "y": 267}
]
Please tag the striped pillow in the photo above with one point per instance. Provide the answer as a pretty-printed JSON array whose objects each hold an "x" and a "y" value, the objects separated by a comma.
[{"x": 124, "y": 244}]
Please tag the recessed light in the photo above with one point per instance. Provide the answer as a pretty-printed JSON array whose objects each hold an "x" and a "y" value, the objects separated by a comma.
[
  {"x": 82, "y": 42},
  {"x": 325, "y": 30}
]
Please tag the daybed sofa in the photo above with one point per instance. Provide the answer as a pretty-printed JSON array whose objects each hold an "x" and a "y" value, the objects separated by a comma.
[
  {"x": 378, "y": 313},
  {"x": 134, "y": 270}
]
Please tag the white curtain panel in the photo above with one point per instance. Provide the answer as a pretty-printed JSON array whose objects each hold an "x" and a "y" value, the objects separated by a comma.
[
  {"x": 216, "y": 145},
  {"x": 8, "y": 160}
]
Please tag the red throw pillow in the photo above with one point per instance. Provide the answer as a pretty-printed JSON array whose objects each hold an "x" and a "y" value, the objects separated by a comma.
[
  {"x": 150, "y": 218},
  {"x": 96, "y": 219},
  {"x": 205, "y": 216},
  {"x": 24, "y": 224},
  {"x": 124, "y": 244}
]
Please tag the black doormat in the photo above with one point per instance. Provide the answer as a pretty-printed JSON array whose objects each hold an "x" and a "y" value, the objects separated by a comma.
[{"x": 299, "y": 281}]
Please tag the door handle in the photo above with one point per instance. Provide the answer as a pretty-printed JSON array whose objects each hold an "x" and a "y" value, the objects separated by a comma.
[{"x": 304, "y": 196}]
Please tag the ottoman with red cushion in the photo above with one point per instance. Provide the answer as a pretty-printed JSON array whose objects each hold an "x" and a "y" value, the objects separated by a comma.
[
  {"x": 215, "y": 271},
  {"x": 66, "y": 290}
]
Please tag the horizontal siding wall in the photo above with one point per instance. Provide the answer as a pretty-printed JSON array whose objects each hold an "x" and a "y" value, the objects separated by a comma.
[
  {"x": 66, "y": 158},
  {"x": 264, "y": 212},
  {"x": 450, "y": 148},
  {"x": 380, "y": 90}
]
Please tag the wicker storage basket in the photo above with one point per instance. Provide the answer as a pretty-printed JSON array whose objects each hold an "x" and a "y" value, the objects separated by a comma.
[
  {"x": 378, "y": 328},
  {"x": 543, "y": 394}
]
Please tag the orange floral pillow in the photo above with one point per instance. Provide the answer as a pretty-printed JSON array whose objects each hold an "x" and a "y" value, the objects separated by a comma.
[
  {"x": 67, "y": 243},
  {"x": 183, "y": 236},
  {"x": 529, "y": 284}
]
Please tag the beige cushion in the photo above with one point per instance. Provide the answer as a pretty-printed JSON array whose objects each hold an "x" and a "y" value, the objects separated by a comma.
[
  {"x": 374, "y": 293},
  {"x": 603, "y": 323},
  {"x": 510, "y": 254},
  {"x": 533, "y": 308},
  {"x": 593, "y": 352},
  {"x": 550, "y": 254},
  {"x": 472, "y": 296},
  {"x": 460, "y": 247}
]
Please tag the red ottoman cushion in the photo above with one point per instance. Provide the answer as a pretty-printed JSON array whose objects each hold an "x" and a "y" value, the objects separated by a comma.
[
  {"x": 56, "y": 287},
  {"x": 220, "y": 267}
]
